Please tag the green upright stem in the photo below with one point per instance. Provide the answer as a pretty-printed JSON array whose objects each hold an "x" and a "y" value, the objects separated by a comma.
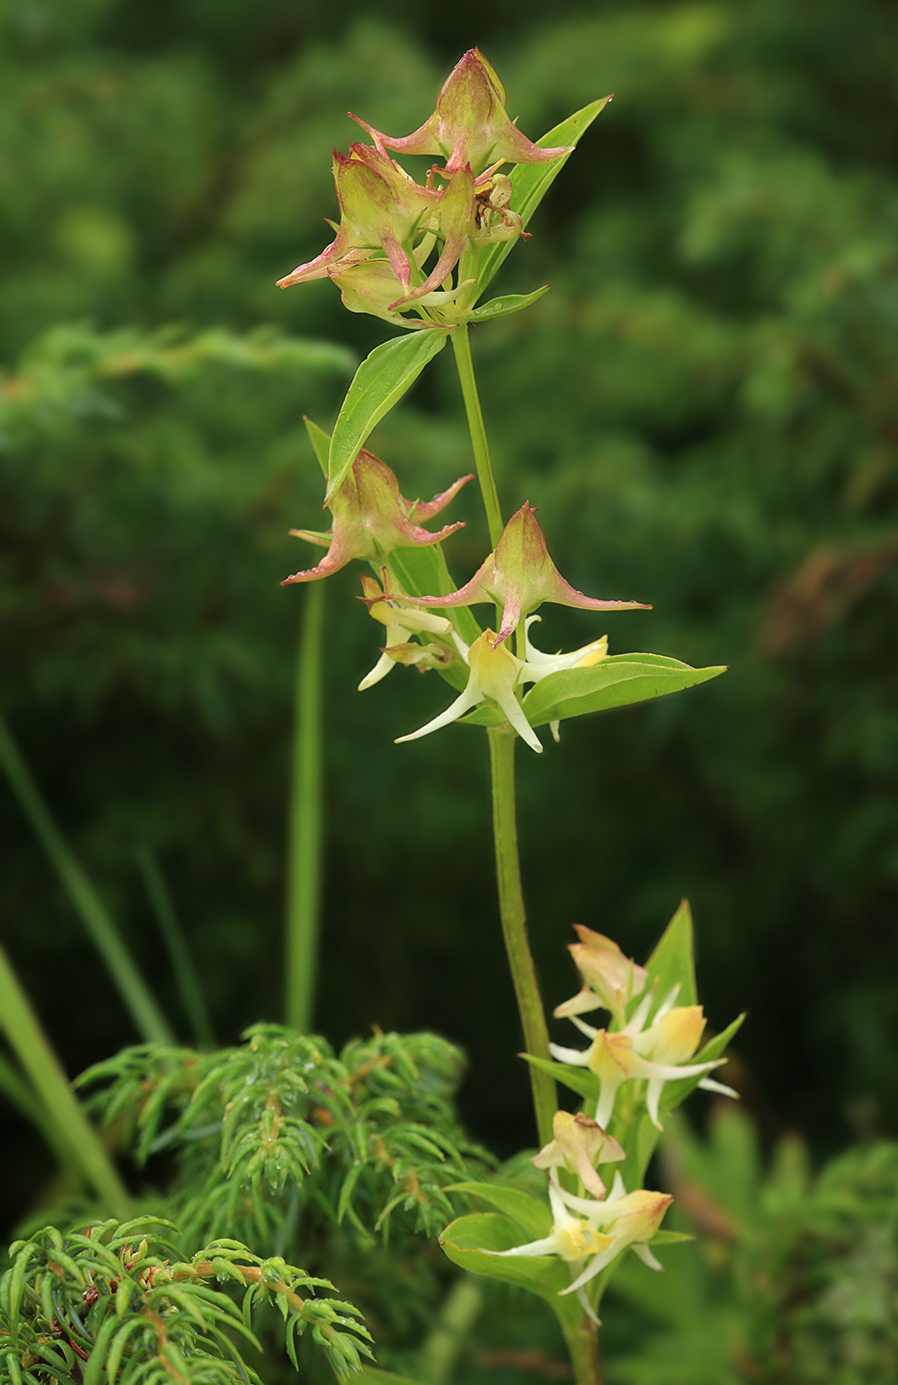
[
  {"x": 583, "y": 1346},
  {"x": 27, "y": 1040},
  {"x": 465, "y": 366},
  {"x": 505, "y": 831},
  {"x": 514, "y": 926},
  {"x": 306, "y": 821}
]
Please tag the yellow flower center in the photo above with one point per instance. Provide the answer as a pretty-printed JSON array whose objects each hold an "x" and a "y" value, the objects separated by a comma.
[{"x": 581, "y": 1239}]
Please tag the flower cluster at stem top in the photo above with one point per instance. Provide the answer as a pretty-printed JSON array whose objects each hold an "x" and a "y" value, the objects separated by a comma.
[
  {"x": 395, "y": 251},
  {"x": 398, "y": 243}
]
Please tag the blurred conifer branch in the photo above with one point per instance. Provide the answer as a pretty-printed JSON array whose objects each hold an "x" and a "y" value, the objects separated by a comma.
[{"x": 362, "y": 1137}]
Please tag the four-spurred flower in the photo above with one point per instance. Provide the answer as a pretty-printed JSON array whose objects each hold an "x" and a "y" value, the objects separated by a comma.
[
  {"x": 470, "y": 126},
  {"x": 519, "y": 575},
  {"x": 371, "y": 518}
]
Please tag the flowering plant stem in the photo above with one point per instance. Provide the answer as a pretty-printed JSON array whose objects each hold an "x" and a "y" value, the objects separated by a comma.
[
  {"x": 465, "y": 366},
  {"x": 505, "y": 828},
  {"x": 583, "y": 1346},
  {"x": 514, "y": 925}
]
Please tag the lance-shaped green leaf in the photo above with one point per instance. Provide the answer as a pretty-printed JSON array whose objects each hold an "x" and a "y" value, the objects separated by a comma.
[
  {"x": 321, "y": 443},
  {"x": 509, "y": 303},
  {"x": 532, "y": 1217},
  {"x": 579, "y": 1080},
  {"x": 531, "y": 182},
  {"x": 617, "y": 681},
  {"x": 673, "y": 961},
  {"x": 380, "y": 382},
  {"x": 468, "y": 1243}
]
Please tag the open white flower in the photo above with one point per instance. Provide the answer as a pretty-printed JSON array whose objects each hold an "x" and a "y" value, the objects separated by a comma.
[
  {"x": 600, "y": 1232},
  {"x": 496, "y": 674},
  {"x": 657, "y": 1054}
]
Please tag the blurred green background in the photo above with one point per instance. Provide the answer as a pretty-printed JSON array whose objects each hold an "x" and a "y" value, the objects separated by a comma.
[{"x": 705, "y": 409}]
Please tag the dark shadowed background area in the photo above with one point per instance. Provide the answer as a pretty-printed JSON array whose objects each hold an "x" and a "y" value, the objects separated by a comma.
[{"x": 704, "y": 408}]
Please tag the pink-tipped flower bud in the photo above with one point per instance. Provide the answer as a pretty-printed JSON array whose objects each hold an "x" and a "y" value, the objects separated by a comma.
[
  {"x": 520, "y": 575},
  {"x": 470, "y": 125},
  {"x": 371, "y": 518}
]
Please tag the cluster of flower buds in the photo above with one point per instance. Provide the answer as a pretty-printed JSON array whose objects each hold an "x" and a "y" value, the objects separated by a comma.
[
  {"x": 398, "y": 244},
  {"x": 589, "y": 1232}
]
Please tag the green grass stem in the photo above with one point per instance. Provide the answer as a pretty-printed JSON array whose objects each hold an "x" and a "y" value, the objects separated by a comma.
[
  {"x": 16, "y": 1089},
  {"x": 185, "y": 973},
  {"x": 29, "y": 1043},
  {"x": 136, "y": 995},
  {"x": 306, "y": 821}
]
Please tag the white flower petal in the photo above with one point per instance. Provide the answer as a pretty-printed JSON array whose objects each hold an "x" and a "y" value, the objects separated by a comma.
[
  {"x": 463, "y": 703},
  {"x": 647, "y": 1257}
]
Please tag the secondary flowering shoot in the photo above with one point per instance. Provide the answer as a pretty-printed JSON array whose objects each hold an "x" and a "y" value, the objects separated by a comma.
[
  {"x": 520, "y": 576},
  {"x": 371, "y": 518}
]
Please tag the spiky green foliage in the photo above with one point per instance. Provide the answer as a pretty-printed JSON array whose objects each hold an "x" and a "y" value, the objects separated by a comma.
[
  {"x": 282, "y": 1130},
  {"x": 115, "y": 1302}
]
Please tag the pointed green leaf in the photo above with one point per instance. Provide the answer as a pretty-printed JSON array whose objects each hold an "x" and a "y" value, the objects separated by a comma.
[
  {"x": 380, "y": 382},
  {"x": 533, "y": 1218},
  {"x": 320, "y": 441},
  {"x": 95, "y": 1369},
  {"x": 670, "y": 1238},
  {"x": 579, "y": 1080},
  {"x": 468, "y": 1241},
  {"x": 617, "y": 681},
  {"x": 672, "y": 963},
  {"x": 531, "y": 182},
  {"x": 510, "y": 303}
]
